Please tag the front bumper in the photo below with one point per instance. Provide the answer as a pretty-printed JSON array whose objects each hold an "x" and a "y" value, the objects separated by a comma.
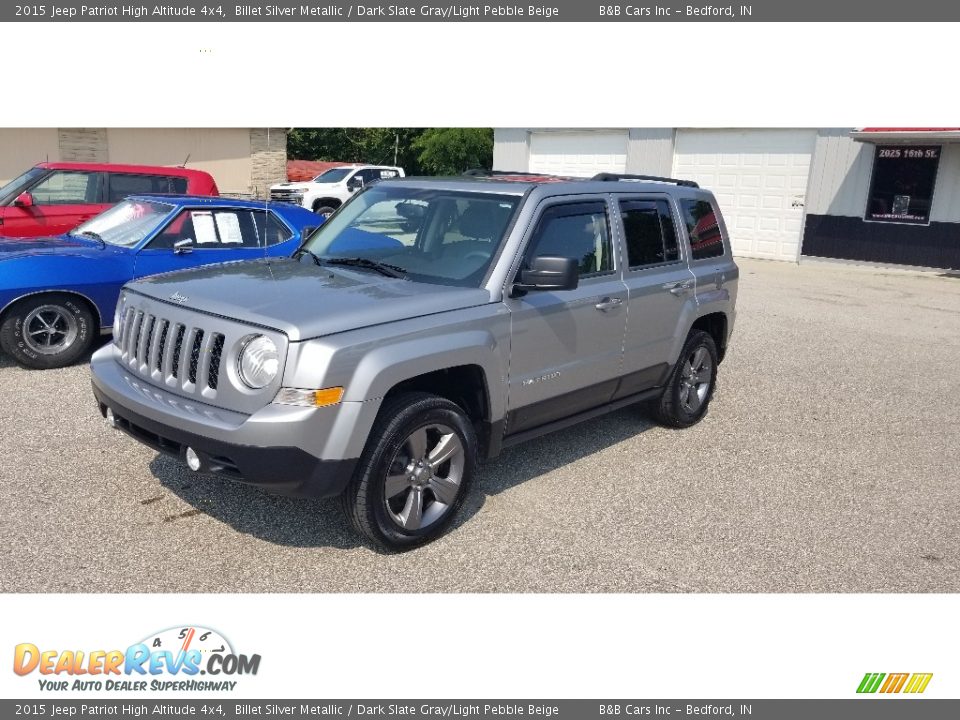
[{"x": 230, "y": 445}]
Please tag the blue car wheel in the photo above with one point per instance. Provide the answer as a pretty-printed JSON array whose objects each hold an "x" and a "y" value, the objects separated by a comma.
[{"x": 47, "y": 331}]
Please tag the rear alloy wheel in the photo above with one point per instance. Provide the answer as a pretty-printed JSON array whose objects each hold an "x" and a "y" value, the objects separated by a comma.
[
  {"x": 47, "y": 331},
  {"x": 414, "y": 473},
  {"x": 688, "y": 392}
]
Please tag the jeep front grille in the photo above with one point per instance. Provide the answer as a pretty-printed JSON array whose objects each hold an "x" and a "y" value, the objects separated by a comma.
[
  {"x": 158, "y": 348},
  {"x": 189, "y": 353}
]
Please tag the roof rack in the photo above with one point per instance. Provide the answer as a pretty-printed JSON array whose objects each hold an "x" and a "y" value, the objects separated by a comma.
[
  {"x": 482, "y": 172},
  {"x": 614, "y": 177}
]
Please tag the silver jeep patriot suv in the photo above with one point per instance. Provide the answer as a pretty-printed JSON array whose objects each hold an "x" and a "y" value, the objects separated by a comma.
[{"x": 427, "y": 325}]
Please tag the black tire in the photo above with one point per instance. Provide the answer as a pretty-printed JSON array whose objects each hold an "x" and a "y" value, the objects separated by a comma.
[
  {"x": 674, "y": 407},
  {"x": 364, "y": 501},
  {"x": 324, "y": 211},
  {"x": 72, "y": 334}
]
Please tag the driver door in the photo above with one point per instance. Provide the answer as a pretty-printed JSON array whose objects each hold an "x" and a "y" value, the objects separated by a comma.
[
  {"x": 566, "y": 347},
  {"x": 61, "y": 201},
  {"x": 201, "y": 236}
]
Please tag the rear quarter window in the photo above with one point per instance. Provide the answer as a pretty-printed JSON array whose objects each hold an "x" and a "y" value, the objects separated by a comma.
[
  {"x": 123, "y": 185},
  {"x": 703, "y": 227}
]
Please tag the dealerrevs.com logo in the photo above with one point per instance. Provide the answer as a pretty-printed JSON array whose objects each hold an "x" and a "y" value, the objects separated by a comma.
[{"x": 172, "y": 659}]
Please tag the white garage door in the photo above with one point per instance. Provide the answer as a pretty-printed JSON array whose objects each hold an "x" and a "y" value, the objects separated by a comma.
[
  {"x": 760, "y": 180},
  {"x": 580, "y": 154}
]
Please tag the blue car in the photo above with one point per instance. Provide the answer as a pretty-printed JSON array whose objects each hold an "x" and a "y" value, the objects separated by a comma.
[{"x": 57, "y": 294}]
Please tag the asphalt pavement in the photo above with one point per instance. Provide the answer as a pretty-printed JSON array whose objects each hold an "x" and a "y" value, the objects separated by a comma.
[{"x": 829, "y": 462}]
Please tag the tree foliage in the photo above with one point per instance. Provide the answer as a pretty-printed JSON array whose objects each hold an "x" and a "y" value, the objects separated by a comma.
[
  {"x": 435, "y": 151},
  {"x": 450, "y": 151}
]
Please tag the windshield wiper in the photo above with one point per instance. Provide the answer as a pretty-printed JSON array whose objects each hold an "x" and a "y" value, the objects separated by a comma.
[
  {"x": 300, "y": 252},
  {"x": 394, "y": 271},
  {"x": 93, "y": 236}
]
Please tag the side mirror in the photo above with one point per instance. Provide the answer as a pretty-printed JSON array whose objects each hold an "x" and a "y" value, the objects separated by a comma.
[
  {"x": 182, "y": 247},
  {"x": 354, "y": 183},
  {"x": 24, "y": 199},
  {"x": 550, "y": 274}
]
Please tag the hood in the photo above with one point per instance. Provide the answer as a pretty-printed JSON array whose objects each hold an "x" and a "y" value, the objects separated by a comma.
[
  {"x": 291, "y": 186},
  {"x": 304, "y": 186},
  {"x": 59, "y": 245},
  {"x": 303, "y": 300}
]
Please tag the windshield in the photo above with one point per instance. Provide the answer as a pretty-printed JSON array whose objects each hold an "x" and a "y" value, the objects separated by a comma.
[
  {"x": 16, "y": 186},
  {"x": 334, "y": 175},
  {"x": 437, "y": 236},
  {"x": 126, "y": 224}
]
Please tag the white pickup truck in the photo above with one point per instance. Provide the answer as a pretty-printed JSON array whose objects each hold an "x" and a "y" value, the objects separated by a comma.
[{"x": 328, "y": 191}]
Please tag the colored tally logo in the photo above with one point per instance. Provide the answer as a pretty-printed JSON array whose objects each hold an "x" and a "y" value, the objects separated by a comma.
[
  {"x": 180, "y": 652},
  {"x": 894, "y": 683}
]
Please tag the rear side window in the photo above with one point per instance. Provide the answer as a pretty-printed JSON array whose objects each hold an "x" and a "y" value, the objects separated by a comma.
[
  {"x": 703, "y": 228},
  {"x": 650, "y": 236},
  {"x": 123, "y": 185},
  {"x": 576, "y": 230},
  {"x": 271, "y": 230}
]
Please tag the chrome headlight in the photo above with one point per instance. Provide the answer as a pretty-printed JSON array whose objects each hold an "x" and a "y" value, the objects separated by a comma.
[{"x": 259, "y": 362}]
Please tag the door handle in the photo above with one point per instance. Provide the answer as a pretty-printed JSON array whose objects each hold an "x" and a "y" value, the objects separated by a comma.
[
  {"x": 608, "y": 304},
  {"x": 678, "y": 288}
]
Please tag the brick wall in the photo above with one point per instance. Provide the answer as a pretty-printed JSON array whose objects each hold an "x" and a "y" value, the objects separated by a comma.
[
  {"x": 83, "y": 145},
  {"x": 268, "y": 155}
]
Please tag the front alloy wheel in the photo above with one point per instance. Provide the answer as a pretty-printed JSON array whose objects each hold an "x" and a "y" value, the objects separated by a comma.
[
  {"x": 46, "y": 331},
  {"x": 49, "y": 329},
  {"x": 412, "y": 477}
]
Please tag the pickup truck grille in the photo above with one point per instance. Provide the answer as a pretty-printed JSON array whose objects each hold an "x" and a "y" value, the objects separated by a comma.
[
  {"x": 287, "y": 196},
  {"x": 171, "y": 352}
]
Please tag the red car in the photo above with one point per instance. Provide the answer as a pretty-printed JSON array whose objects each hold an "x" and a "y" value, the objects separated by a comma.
[{"x": 54, "y": 197}]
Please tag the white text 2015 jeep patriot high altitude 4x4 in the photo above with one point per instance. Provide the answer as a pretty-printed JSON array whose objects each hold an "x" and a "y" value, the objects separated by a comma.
[{"x": 428, "y": 324}]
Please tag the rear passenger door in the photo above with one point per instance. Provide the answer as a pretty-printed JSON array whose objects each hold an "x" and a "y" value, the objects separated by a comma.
[
  {"x": 567, "y": 346},
  {"x": 660, "y": 287}
]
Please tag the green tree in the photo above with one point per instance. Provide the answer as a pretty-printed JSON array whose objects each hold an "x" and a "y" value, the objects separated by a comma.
[{"x": 450, "y": 151}]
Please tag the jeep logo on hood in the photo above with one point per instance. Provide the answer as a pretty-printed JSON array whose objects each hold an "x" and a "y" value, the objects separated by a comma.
[{"x": 178, "y": 298}]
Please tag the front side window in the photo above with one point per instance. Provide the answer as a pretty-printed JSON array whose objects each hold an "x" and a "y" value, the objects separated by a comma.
[
  {"x": 575, "y": 230},
  {"x": 66, "y": 188},
  {"x": 122, "y": 186},
  {"x": 125, "y": 224},
  {"x": 446, "y": 237},
  {"x": 649, "y": 234},
  {"x": 703, "y": 229},
  {"x": 902, "y": 186},
  {"x": 9, "y": 192}
]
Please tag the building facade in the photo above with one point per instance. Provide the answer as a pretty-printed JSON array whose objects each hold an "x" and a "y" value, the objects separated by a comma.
[
  {"x": 244, "y": 161},
  {"x": 889, "y": 195}
]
